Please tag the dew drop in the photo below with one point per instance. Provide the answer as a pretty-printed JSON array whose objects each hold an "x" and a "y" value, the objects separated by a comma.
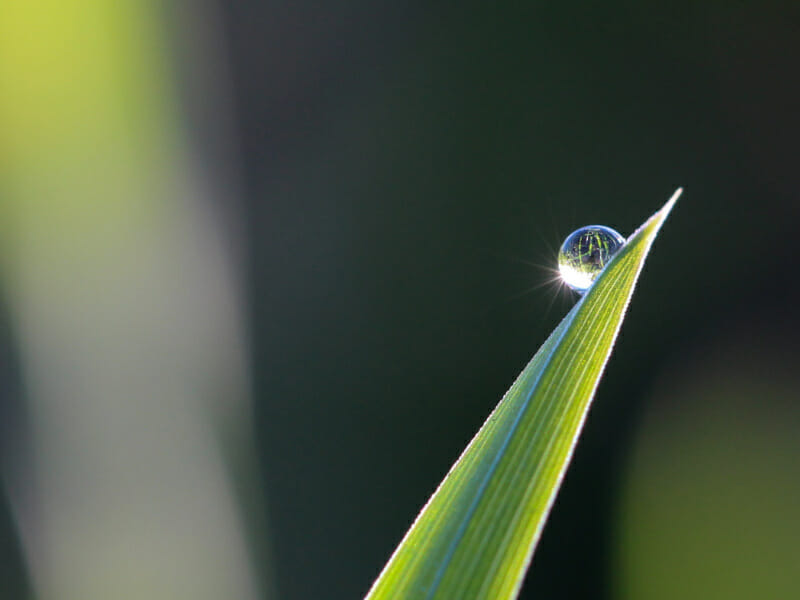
[{"x": 585, "y": 253}]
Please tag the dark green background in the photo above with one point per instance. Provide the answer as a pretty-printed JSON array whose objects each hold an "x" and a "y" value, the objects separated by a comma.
[{"x": 402, "y": 160}]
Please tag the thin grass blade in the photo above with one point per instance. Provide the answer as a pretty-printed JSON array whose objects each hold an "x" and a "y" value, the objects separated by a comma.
[{"x": 476, "y": 535}]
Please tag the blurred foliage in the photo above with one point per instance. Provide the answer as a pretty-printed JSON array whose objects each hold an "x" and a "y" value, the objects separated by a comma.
[
  {"x": 710, "y": 506},
  {"x": 83, "y": 92},
  {"x": 129, "y": 417}
]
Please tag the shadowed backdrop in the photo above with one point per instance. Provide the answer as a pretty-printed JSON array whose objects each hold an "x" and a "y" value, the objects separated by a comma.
[{"x": 390, "y": 184}]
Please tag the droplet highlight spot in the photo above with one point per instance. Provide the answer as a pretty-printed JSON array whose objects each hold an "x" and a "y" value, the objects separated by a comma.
[{"x": 585, "y": 253}]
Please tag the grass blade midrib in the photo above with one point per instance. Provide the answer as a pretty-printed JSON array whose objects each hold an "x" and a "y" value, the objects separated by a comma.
[
  {"x": 499, "y": 457},
  {"x": 529, "y": 447},
  {"x": 465, "y": 461},
  {"x": 579, "y": 412},
  {"x": 520, "y": 509}
]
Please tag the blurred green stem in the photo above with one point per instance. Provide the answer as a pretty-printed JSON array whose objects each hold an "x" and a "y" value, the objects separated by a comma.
[{"x": 125, "y": 307}]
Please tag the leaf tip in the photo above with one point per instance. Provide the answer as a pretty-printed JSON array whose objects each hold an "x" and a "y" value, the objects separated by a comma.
[
  {"x": 655, "y": 222},
  {"x": 671, "y": 202}
]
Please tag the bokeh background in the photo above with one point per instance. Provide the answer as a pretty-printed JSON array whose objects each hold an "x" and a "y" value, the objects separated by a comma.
[{"x": 266, "y": 267}]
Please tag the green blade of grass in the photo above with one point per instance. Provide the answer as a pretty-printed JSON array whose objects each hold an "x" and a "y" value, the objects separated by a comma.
[{"x": 476, "y": 535}]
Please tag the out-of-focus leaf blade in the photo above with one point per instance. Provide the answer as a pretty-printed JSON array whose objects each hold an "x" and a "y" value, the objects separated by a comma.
[{"x": 476, "y": 535}]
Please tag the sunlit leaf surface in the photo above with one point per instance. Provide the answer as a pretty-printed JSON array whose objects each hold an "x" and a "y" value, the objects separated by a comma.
[{"x": 476, "y": 535}]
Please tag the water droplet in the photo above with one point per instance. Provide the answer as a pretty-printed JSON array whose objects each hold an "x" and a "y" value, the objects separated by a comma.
[{"x": 585, "y": 253}]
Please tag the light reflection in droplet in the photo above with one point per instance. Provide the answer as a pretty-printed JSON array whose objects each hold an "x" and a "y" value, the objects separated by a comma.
[{"x": 585, "y": 253}]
